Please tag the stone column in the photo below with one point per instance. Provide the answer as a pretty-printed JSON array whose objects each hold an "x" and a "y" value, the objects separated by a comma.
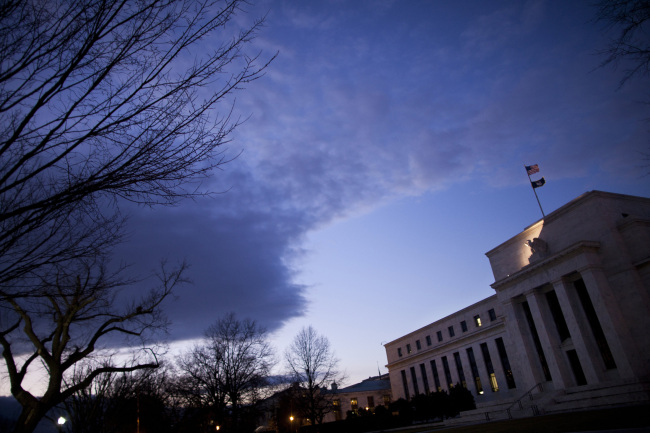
[
  {"x": 550, "y": 342},
  {"x": 610, "y": 317},
  {"x": 583, "y": 344},
  {"x": 523, "y": 358}
]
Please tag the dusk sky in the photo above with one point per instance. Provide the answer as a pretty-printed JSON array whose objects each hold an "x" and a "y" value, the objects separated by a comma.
[{"x": 384, "y": 156}]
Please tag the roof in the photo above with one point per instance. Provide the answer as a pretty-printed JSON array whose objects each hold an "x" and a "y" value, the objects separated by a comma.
[{"x": 376, "y": 383}]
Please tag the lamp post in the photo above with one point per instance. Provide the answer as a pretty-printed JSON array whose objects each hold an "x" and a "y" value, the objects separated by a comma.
[
  {"x": 291, "y": 419},
  {"x": 60, "y": 422}
]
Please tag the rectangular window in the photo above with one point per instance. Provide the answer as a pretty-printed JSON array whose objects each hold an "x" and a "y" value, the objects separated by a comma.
[
  {"x": 405, "y": 385},
  {"x": 489, "y": 367},
  {"x": 445, "y": 367},
  {"x": 439, "y": 334},
  {"x": 505, "y": 363},
  {"x": 436, "y": 377},
  {"x": 558, "y": 317},
  {"x": 492, "y": 314},
  {"x": 337, "y": 409},
  {"x": 408, "y": 348},
  {"x": 414, "y": 378},
  {"x": 386, "y": 400},
  {"x": 463, "y": 326},
  {"x": 474, "y": 368},
  {"x": 459, "y": 368},
  {"x": 428, "y": 340},
  {"x": 399, "y": 351},
  {"x": 451, "y": 331},
  {"x": 425, "y": 380},
  {"x": 371, "y": 402},
  {"x": 354, "y": 404},
  {"x": 594, "y": 324},
  {"x": 477, "y": 321},
  {"x": 418, "y": 345}
]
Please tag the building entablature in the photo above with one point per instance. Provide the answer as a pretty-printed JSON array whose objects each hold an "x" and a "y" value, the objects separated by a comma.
[
  {"x": 466, "y": 323},
  {"x": 541, "y": 267},
  {"x": 485, "y": 333}
]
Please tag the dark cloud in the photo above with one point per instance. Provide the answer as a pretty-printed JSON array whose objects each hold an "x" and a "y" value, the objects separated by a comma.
[{"x": 360, "y": 108}]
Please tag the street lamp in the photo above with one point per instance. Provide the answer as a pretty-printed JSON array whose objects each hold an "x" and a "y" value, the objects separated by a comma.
[
  {"x": 60, "y": 422},
  {"x": 291, "y": 419}
]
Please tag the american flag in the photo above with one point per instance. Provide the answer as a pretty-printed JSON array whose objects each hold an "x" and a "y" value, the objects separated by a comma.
[{"x": 532, "y": 169}]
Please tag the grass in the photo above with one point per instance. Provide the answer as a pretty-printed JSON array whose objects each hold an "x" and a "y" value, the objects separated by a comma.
[{"x": 605, "y": 419}]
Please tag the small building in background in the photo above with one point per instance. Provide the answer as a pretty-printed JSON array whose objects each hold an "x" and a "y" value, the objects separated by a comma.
[
  {"x": 365, "y": 395},
  {"x": 569, "y": 321}
]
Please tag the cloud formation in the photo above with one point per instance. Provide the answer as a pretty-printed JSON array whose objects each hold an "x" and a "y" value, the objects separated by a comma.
[{"x": 367, "y": 103}]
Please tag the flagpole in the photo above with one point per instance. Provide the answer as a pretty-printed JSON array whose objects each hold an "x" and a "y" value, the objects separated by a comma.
[{"x": 534, "y": 192}]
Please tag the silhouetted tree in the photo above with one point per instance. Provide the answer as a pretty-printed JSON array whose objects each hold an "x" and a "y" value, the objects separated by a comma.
[
  {"x": 118, "y": 402},
  {"x": 631, "y": 20},
  {"x": 312, "y": 364},
  {"x": 100, "y": 101},
  {"x": 230, "y": 368},
  {"x": 461, "y": 398}
]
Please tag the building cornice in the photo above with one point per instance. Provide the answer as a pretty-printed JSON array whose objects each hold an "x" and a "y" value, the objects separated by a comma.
[
  {"x": 528, "y": 270},
  {"x": 450, "y": 345}
]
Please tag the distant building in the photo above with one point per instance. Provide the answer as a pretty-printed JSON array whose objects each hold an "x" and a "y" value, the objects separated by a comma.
[
  {"x": 367, "y": 395},
  {"x": 570, "y": 319}
]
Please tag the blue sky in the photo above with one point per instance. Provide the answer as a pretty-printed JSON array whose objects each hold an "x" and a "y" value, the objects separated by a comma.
[{"x": 383, "y": 155}]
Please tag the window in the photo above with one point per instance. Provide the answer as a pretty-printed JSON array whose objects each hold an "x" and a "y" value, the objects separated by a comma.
[
  {"x": 492, "y": 314},
  {"x": 337, "y": 409},
  {"x": 463, "y": 326},
  {"x": 459, "y": 368},
  {"x": 386, "y": 400},
  {"x": 477, "y": 320},
  {"x": 399, "y": 351},
  {"x": 425, "y": 380},
  {"x": 405, "y": 385},
  {"x": 489, "y": 367},
  {"x": 428, "y": 340},
  {"x": 418, "y": 345},
  {"x": 408, "y": 348},
  {"x": 445, "y": 367},
  {"x": 505, "y": 363},
  {"x": 414, "y": 378},
  {"x": 371, "y": 402},
  {"x": 436, "y": 377},
  {"x": 354, "y": 404},
  {"x": 439, "y": 335},
  {"x": 451, "y": 331},
  {"x": 474, "y": 367}
]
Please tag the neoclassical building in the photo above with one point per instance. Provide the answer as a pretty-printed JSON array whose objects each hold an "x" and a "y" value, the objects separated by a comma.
[{"x": 570, "y": 317}]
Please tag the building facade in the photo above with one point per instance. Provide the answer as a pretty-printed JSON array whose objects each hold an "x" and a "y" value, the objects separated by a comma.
[
  {"x": 367, "y": 394},
  {"x": 570, "y": 315}
]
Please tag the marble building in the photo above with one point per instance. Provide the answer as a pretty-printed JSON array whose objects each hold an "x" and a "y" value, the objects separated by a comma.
[{"x": 569, "y": 320}]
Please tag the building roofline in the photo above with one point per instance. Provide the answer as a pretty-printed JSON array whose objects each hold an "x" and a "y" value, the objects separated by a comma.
[
  {"x": 578, "y": 201},
  {"x": 470, "y": 307}
]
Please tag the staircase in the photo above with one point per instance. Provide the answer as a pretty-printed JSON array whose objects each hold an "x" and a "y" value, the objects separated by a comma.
[{"x": 537, "y": 401}]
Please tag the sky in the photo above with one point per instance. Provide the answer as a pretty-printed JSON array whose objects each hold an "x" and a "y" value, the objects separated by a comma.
[{"x": 382, "y": 156}]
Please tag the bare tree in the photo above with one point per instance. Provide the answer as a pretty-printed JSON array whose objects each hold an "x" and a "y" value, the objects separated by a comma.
[
  {"x": 631, "y": 20},
  {"x": 230, "y": 368},
  {"x": 117, "y": 402},
  {"x": 100, "y": 101},
  {"x": 313, "y": 365},
  {"x": 65, "y": 323}
]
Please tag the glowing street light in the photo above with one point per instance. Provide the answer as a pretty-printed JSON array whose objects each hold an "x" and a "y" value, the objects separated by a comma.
[{"x": 60, "y": 422}]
